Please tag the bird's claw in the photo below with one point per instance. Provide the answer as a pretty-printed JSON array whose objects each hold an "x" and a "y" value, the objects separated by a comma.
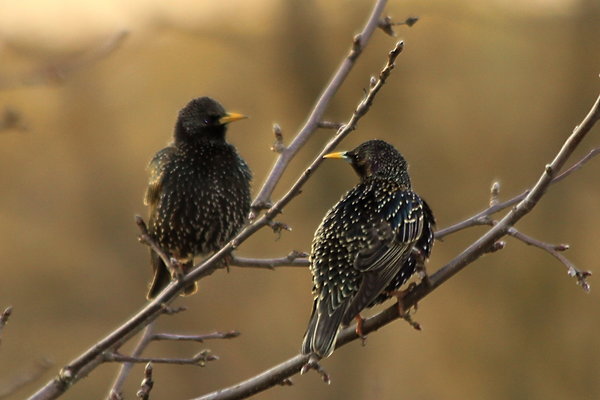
[{"x": 313, "y": 363}]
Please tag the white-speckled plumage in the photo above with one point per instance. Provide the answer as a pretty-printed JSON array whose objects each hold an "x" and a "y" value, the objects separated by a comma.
[{"x": 363, "y": 242}]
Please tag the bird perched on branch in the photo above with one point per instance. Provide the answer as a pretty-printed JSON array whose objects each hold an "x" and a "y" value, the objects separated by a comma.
[
  {"x": 198, "y": 192},
  {"x": 363, "y": 248}
]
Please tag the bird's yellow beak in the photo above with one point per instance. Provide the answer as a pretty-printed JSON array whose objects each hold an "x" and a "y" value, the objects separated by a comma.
[
  {"x": 231, "y": 117},
  {"x": 341, "y": 154}
]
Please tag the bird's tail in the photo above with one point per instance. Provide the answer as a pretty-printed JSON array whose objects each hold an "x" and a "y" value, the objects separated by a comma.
[
  {"x": 321, "y": 334},
  {"x": 162, "y": 277}
]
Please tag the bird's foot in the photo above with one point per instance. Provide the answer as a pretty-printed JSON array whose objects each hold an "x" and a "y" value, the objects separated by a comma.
[
  {"x": 403, "y": 311},
  {"x": 176, "y": 269},
  {"x": 313, "y": 363},
  {"x": 359, "y": 329}
]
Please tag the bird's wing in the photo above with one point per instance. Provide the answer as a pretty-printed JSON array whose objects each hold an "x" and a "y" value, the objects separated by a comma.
[
  {"x": 388, "y": 246},
  {"x": 390, "y": 238},
  {"x": 157, "y": 174}
]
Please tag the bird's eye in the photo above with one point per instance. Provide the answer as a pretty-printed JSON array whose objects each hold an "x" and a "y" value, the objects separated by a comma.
[{"x": 206, "y": 121}]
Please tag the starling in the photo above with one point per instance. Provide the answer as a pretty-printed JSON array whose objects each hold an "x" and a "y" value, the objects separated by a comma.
[
  {"x": 364, "y": 245},
  {"x": 198, "y": 192}
]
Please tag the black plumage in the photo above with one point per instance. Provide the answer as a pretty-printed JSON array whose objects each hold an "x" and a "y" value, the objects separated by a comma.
[
  {"x": 364, "y": 245},
  {"x": 198, "y": 192}
]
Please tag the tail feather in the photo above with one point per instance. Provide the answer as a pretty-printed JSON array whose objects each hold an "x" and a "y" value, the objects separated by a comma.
[
  {"x": 162, "y": 277},
  {"x": 321, "y": 334}
]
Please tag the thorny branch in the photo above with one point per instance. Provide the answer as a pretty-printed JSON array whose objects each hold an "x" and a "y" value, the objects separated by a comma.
[{"x": 292, "y": 366}]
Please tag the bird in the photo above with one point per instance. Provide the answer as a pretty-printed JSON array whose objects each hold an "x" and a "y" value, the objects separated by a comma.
[
  {"x": 363, "y": 247},
  {"x": 198, "y": 192}
]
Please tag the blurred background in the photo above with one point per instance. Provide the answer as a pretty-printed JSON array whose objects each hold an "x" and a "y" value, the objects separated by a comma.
[{"x": 484, "y": 91}]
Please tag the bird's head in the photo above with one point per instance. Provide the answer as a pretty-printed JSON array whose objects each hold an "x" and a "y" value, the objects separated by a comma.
[
  {"x": 376, "y": 158},
  {"x": 203, "y": 119}
]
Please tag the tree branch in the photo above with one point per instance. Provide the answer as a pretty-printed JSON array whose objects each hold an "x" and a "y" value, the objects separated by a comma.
[
  {"x": 116, "y": 391},
  {"x": 91, "y": 358},
  {"x": 293, "y": 365},
  {"x": 294, "y": 259},
  {"x": 482, "y": 218},
  {"x": 196, "y": 338},
  {"x": 199, "y": 359},
  {"x": 264, "y": 196},
  {"x": 147, "y": 383},
  {"x": 555, "y": 251}
]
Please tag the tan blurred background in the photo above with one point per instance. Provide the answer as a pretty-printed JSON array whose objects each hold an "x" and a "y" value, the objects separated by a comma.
[{"x": 484, "y": 91}]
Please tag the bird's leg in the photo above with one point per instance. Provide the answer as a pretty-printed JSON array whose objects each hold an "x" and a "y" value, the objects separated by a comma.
[
  {"x": 402, "y": 310},
  {"x": 313, "y": 363},
  {"x": 359, "y": 329}
]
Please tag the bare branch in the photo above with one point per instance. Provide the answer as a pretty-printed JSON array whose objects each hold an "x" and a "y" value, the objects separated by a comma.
[
  {"x": 483, "y": 217},
  {"x": 196, "y": 338},
  {"x": 147, "y": 383},
  {"x": 555, "y": 251},
  {"x": 116, "y": 391},
  {"x": 294, "y": 259},
  {"x": 199, "y": 359},
  {"x": 330, "y": 125},
  {"x": 386, "y": 24},
  {"x": 318, "y": 110}
]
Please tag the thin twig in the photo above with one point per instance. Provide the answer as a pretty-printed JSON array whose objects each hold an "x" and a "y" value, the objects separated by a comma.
[
  {"x": 116, "y": 390},
  {"x": 264, "y": 196},
  {"x": 196, "y": 338},
  {"x": 330, "y": 125},
  {"x": 386, "y": 24},
  {"x": 147, "y": 383},
  {"x": 294, "y": 259},
  {"x": 199, "y": 359},
  {"x": 483, "y": 217},
  {"x": 555, "y": 250}
]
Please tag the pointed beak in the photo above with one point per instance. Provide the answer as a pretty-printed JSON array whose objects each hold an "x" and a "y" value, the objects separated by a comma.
[
  {"x": 231, "y": 117},
  {"x": 341, "y": 154}
]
